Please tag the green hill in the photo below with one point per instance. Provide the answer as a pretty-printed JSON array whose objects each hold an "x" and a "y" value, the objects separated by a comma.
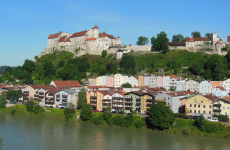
[{"x": 63, "y": 66}]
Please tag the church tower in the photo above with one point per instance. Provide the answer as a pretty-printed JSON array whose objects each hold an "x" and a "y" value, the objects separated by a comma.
[{"x": 95, "y": 31}]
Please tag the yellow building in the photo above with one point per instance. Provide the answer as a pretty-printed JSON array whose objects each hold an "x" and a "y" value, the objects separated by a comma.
[
  {"x": 222, "y": 106},
  {"x": 94, "y": 98},
  {"x": 99, "y": 81},
  {"x": 200, "y": 104},
  {"x": 140, "y": 80}
]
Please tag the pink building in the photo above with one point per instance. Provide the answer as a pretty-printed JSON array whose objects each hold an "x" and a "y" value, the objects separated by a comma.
[
  {"x": 159, "y": 81},
  {"x": 110, "y": 81}
]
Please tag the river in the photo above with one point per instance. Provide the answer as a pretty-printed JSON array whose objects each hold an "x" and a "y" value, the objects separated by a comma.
[{"x": 33, "y": 133}]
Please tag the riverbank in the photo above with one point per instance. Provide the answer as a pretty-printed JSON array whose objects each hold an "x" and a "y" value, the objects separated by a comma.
[{"x": 181, "y": 126}]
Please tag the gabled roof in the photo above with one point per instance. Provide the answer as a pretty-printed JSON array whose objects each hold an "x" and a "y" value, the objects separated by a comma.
[
  {"x": 226, "y": 98},
  {"x": 62, "y": 39},
  {"x": 77, "y": 34},
  {"x": 198, "y": 39},
  {"x": 218, "y": 42},
  {"x": 191, "y": 40},
  {"x": 173, "y": 76},
  {"x": 67, "y": 83},
  {"x": 221, "y": 88},
  {"x": 212, "y": 98},
  {"x": 103, "y": 35},
  {"x": 90, "y": 39},
  {"x": 95, "y": 27},
  {"x": 52, "y": 36},
  {"x": 111, "y": 37},
  {"x": 70, "y": 91}
]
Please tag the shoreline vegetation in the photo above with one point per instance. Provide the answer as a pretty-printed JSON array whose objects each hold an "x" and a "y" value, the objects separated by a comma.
[{"x": 180, "y": 126}]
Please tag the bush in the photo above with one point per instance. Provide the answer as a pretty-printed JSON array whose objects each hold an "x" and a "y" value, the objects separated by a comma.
[
  {"x": 212, "y": 127},
  {"x": 13, "y": 111},
  {"x": 97, "y": 120},
  {"x": 69, "y": 113},
  {"x": 86, "y": 112},
  {"x": 119, "y": 120},
  {"x": 186, "y": 130},
  {"x": 129, "y": 120},
  {"x": 140, "y": 123},
  {"x": 200, "y": 123}
]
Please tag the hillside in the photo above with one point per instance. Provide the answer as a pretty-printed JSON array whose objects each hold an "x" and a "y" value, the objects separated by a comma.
[
  {"x": 63, "y": 66},
  {"x": 2, "y": 68}
]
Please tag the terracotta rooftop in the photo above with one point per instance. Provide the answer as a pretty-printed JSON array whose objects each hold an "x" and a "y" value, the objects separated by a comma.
[
  {"x": 52, "y": 36},
  {"x": 173, "y": 76},
  {"x": 67, "y": 84},
  {"x": 212, "y": 98},
  {"x": 118, "y": 37},
  {"x": 198, "y": 39},
  {"x": 104, "y": 35},
  {"x": 221, "y": 88},
  {"x": 90, "y": 39},
  {"x": 64, "y": 39},
  {"x": 111, "y": 37},
  {"x": 218, "y": 42},
  {"x": 177, "y": 93},
  {"x": 95, "y": 27},
  {"x": 77, "y": 34},
  {"x": 96, "y": 87},
  {"x": 226, "y": 98}
]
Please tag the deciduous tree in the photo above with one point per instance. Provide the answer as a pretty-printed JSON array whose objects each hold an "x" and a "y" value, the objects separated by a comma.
[
  {"x": 142, "y": 40},
  {"x": 81, "y": 98},
  {"x": 161, "y": 42},
  {"x": 86, "y": 112},
  {"x": 2, "y": 100},
  {"x": 178, "y": 38},
  {"x": 196, "y": 34}
]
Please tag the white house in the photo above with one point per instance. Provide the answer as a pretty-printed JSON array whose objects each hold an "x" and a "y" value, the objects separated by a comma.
[{"x": 133, "y": 81}]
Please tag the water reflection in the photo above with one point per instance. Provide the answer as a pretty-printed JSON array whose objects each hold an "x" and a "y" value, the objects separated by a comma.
[{"x": 23, "y": 132}]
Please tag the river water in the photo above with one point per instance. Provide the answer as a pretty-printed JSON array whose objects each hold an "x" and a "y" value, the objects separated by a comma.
[{"x": 32, "y": 133}]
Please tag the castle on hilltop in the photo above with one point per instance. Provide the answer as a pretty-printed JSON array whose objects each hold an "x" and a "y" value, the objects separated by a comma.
[
  {"x": 214, "y": 44},
  {"x": 88, "y": 39}
]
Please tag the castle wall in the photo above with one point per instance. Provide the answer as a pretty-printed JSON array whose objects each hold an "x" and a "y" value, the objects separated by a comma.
[
  {"x": 204, "y": 47},
  {"x": 178, "y": 47}
]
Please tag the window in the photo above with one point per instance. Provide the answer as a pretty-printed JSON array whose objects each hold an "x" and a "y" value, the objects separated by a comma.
[
  {"x": 190, "y": 111},
  {"x": 227, "y": 108},
  {"x": 201, "y": 101},
  {"x": 194, "y": 111},
  {"x": 210, "y": 106},
  {"x": 194, "y": 105},
  {"x": 209, "y": 112},
  {"x": 198, "y": 106},
  {"x": 198, "y": 111},
  {"x": 204, "y": 112},
  {"x": 204, "y": 106},
  {"x": 223, "y": 107},
  {"x": 226, "y": 114},
  {"x": 190, "y": 105}
]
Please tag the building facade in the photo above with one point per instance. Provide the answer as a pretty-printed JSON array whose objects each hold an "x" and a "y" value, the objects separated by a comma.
[{"x": 205, "y": 87}]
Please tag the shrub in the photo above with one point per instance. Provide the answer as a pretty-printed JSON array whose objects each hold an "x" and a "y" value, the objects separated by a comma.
[
  {"x": 200, "y": 123},
  {"x": 186, "y": 130},
  {"x": 97, "y": 120},
  {"x": 129, "y": 120},
  {"x": 13, "y": 111},
  {"x": 139, "y": 123},
  {"x": 212, "y": 127},
  {"x": 119, "y": 120},
  {"x": 86, "y": 112},
  {"x": 69, "y": 113}
]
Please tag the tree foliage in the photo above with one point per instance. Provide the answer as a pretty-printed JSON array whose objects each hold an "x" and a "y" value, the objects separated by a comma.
[
  {"x": 178, "y": 38},
  {"x": 128, "y": 64},
  {"x": 126, "y": 85},
  {"x": 159, "y": 116},
  {"x": 160, "y": 42},
  {"x": 200, "y": 123},
  {"x": 81, "y": 98},
  {"x": 108, "y": 115},
  {"x": 69, "y": 113},
  {"x": 196, "y": 34},
  {"x": 32, "y": 106},
  {"x": 142, "y": 40},
  {"x": 104, "y": 53},
  {"x": 86, "y": 112},
  {"x": 2, "y": 100},
  {"x": 14, "y": 94},
  {"x": 208, "y": 35}
]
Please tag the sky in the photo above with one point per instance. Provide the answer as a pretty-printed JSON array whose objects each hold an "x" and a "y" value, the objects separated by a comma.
[{"x": 26, "y": 24}]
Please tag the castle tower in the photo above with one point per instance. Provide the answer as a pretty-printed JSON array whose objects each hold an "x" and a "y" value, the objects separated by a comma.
[
  {"x": 214, "y": 38},
  {"x": 218, "y": 47},
  {"x": 95, "y": 31}
]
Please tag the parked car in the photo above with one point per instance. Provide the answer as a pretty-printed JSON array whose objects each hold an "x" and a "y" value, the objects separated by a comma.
[{"x": 213, "y": 119}]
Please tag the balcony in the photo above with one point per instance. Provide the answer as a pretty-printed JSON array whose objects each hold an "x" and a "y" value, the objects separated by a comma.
[
  {"x": 149, "y": 105},
  {"x": 37, "y": 99},
  {"x": 49, "y": 102},
  {"x": 117, "y": 102},
  {"x": 118, "y": 98},
  {"x": 25, "y": 98},
  {"x": 25, "y": 94},
  {"x": 64, "y": 96},
  {"x": 138, "y": 108},
  {"x": 118, "y": 107},
  {"x": 128, "y": 103},
  {"x": 50, "y": 95},
  {"x": 128, "y": 99},
  {"x": 106, "y": 104},
  {"x": 47, "y": 98},
  {"x": 138, "y": 99},
  {"x": 93, "y": 101},
  {"x": 41, "y": 96},
  {"x": 216, "y": 110},
  {"x": 138, "y": 104},
  {"x": 41, "y": 93},
  {"x": 149, "y": 100},
  {"x": 128, "y": 108},
  {"x": 36, "y": 95},
  {"x": 161, "y": 101},
  {"x": 93, "y": 97},
  {"x": 58, "y": 95},
  {"x": 216, "y": 105},
  {"x": 93, "y": 105}
]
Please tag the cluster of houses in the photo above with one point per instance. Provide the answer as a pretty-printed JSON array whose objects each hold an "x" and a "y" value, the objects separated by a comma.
[{"x": 204, "y": 97}]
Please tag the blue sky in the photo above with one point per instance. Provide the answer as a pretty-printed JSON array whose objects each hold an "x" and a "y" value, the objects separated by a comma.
[{"x": 25, "y": 25}]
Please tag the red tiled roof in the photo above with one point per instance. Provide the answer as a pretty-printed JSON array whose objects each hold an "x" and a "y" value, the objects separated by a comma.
[
  {"x": 96, "y": 87},
  {"x": 90, "y": 39},
  {"x": 67, "y": 84},
  {"x": 218, "y": 42},
  {"x": 221, "y": 88},
  {"x": 67, "y": 40},
  {"x": 198, "y": 39},
  {"x": 212, "y": 98},
  {"x": 173, "y": 76},
  {"x": 77, "y": 34},
  {"x": 50, "y": 36},
  {"x": 95, "y": 27},
  {"x": 176, "y": 93},
  {"x": 103, "y": 34},
  {"x": 226, "y": 98},
  {"x": 118, "y": 37},
  {"x": 157, "y": 89},
  {"x": 111, "y": 37},
  {"x": 56, "y": 35},
  {"x": 221, "y": 39},
  {"x": 62, "y": 39}
]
